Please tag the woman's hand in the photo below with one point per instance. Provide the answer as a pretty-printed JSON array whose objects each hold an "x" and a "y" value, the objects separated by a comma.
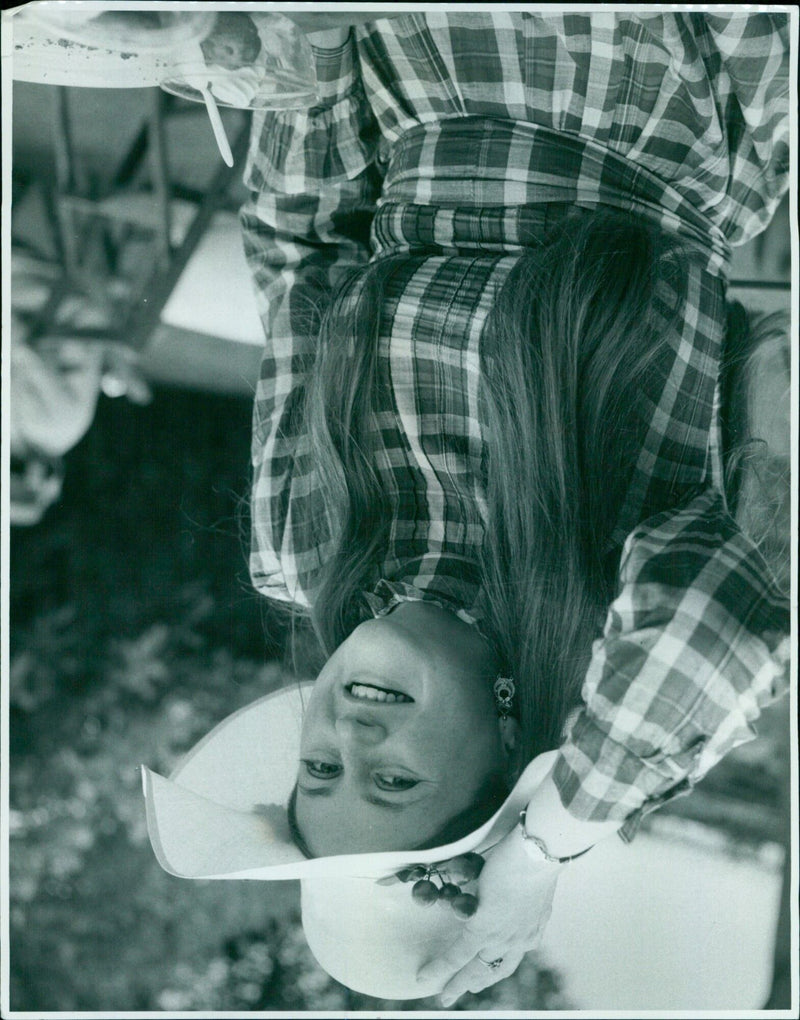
[
  {"x": 323, "y": 20},
  {"x": 515, "y": 897},
  {"x": 328, "y": 31},
  {"x": 328, "y": 38}
]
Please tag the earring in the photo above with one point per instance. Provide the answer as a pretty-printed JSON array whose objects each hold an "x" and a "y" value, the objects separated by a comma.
[{"x": 504, "y": 690}]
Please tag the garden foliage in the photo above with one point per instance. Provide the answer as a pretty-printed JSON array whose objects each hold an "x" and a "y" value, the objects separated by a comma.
[{"x": 133, "y": 633}]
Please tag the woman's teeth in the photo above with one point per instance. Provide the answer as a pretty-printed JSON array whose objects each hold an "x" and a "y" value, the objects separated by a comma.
[{"x": 366, "y": 692}]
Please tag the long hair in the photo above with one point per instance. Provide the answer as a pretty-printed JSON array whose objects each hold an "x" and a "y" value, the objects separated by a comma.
[
  {"x": 340, "y": 401},
  {"x": 565, "y": 349},
  {"x": 756, "y": 452},
  {"x": 566, "y": 352}
]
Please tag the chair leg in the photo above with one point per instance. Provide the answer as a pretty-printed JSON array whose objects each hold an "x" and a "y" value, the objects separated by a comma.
[
  {"x": 780, "y": 995},
  {"x": 160, "y": 172},
  {"x": 66, "y": 175}
]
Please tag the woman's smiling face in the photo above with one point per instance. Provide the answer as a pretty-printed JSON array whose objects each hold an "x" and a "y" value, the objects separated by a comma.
[{"x": 400, "y": 733}]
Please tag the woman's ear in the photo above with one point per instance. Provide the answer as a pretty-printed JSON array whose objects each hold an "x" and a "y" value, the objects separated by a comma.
[{"x": 510, "y": 734}]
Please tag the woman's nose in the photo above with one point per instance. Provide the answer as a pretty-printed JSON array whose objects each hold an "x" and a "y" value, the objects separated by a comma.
[{"x": 360, "y": 729}]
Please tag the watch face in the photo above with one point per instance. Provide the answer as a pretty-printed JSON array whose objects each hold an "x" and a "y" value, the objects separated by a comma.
[
  {"x": 531, "y": 844},
  {"x": 535, "y": 848}
]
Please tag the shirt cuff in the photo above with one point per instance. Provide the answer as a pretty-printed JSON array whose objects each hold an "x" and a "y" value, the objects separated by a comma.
[
  {"x": 600, "y": 779},
  {"x": 337, "y": 71}
]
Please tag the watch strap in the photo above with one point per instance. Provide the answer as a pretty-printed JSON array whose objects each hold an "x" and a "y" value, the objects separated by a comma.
[{"x": 540, "y": 845}]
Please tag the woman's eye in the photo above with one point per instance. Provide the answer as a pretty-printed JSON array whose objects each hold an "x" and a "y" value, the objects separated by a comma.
[
  {"x": 386, "y": 782},
  {"x": 321, "y": 769}
]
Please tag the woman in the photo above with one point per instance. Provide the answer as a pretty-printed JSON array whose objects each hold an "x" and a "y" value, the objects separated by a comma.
[{"x": 491, "y": 265}]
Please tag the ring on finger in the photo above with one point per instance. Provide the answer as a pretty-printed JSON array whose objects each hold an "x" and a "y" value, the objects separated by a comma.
[{"x": 491, "y": 964}]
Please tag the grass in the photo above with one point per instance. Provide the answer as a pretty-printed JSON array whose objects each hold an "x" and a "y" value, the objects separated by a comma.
[{"x": 134, "y": 630}]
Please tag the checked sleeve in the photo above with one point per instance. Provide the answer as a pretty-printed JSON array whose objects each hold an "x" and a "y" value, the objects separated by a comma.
[
  {"x": 695, "y": 645},
  {"x": 314, "y": 180}
]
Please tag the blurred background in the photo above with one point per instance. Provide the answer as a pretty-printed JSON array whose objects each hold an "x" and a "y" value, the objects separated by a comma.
[{"x": 135, "y": 347}]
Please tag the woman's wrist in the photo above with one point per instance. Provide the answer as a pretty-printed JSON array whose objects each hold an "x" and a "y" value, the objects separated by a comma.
[{"x": 561, "y": 833}]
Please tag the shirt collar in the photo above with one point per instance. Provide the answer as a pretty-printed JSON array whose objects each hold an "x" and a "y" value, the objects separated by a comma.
[{"x": 388, "y": 595}]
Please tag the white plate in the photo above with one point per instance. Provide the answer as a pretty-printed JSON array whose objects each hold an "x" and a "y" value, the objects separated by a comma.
[{"x": 39, "y": 55}]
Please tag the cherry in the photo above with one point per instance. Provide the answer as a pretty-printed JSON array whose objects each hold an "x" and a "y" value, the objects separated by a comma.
[
  {"x": 464, "y": 904},
  {"x": 425, "y": 892},
  {"x": 466, "y": 867}
]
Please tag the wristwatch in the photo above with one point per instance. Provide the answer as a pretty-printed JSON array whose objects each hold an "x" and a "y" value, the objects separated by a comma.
[{"x": 536, "y": 849}]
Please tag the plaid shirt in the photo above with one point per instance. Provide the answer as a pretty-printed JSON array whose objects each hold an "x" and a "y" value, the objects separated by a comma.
[{"x": 447, "y": 143}]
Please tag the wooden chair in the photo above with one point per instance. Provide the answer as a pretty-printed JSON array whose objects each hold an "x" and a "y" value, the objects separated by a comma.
[{"x": 95, "y": 224}]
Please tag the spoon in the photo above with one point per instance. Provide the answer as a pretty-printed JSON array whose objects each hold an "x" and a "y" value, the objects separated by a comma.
[{"x": 216, "y": 123}]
